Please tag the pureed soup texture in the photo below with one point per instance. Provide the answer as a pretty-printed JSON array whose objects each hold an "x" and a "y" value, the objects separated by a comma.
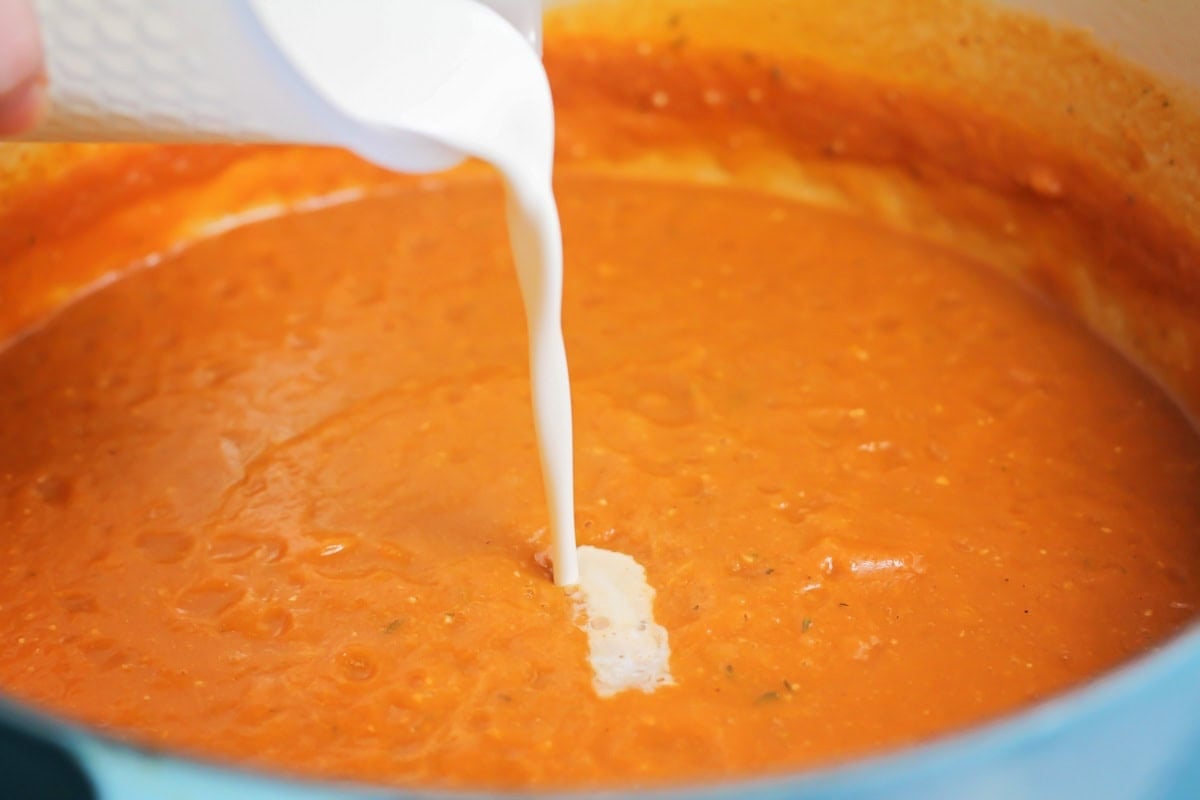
[{"x": 276, "y": 499}]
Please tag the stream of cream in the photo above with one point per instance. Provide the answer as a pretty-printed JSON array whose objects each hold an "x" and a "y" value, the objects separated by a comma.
[
  {"x": 482, "y": 91},
  {"x": 614, "y": 602}
]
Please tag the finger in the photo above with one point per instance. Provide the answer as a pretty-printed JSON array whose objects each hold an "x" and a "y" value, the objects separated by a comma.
[
  {"x": 21, "y": 67},
  {"x": 21, "y": 108}
]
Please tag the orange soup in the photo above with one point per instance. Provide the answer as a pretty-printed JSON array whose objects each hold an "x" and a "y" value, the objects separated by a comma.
[{"x": 275, "y": 499}]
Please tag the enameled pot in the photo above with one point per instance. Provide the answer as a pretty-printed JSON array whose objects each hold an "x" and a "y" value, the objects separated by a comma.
[{"x": 1132, "y": 733}]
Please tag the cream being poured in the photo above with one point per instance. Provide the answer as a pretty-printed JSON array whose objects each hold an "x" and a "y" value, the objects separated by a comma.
[{"x": 490, "y": 99}]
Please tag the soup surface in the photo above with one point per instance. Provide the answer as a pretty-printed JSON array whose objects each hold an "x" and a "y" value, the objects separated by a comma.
[{"x": 277, "y": 499}]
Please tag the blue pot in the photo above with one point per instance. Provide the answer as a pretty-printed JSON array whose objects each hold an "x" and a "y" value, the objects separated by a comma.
[{"x": 1134, "y": 733}]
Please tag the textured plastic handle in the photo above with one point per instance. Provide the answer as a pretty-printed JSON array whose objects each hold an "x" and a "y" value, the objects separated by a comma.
[
  {"x": 135, "y": 70},
  {"x": 197, "y": 70}
]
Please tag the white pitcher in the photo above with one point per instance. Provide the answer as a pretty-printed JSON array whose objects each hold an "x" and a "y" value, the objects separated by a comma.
[{"x": 265, "y": 70}]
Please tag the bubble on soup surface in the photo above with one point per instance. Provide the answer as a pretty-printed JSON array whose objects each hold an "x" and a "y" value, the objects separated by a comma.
[
  {"x": 53, "y": 490},
  {"x": 356, "y": 664},
  {"x": 78, "y": 602},
  {"x": 165, "y": 547},
  {"x": 257, "y": 622},
  {"x": 209, "y": 597},
  {"x": 231, "y": 547}
]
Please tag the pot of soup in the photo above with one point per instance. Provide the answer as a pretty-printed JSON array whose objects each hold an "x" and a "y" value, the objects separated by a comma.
[{"x": 883, "y": 325}]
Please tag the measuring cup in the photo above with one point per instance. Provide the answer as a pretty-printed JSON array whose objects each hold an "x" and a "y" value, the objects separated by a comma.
[{"x": 392, "y": 80}]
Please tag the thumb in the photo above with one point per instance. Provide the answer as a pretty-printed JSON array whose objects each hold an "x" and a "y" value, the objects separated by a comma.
[{"x": 22, "y": 74}]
